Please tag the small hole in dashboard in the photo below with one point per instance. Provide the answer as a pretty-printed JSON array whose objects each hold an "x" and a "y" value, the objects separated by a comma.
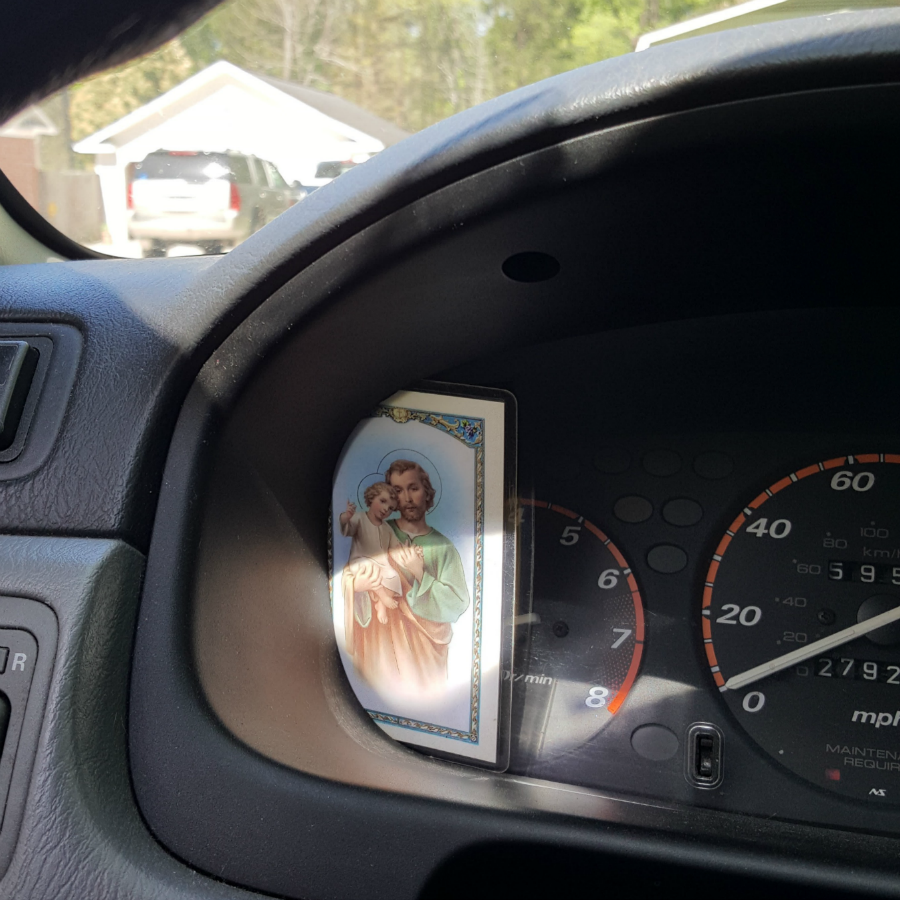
[{"x": 531, "y": 266}]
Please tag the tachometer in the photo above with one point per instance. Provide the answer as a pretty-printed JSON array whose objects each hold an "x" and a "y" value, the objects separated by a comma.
[
  {"x": 801, "y": 623},
  {"x": 579, "y": 639}
]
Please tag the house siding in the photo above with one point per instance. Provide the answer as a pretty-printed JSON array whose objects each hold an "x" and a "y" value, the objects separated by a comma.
[{"x": 17, "y": 161}]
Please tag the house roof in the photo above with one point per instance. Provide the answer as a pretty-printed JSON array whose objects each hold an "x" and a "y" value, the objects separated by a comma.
[
  {"x": 345, "y": 117},
  {"x": 754, "y": 12},
  {"x": 29, "y": 123},
  {"x": 342, "y": 110}
]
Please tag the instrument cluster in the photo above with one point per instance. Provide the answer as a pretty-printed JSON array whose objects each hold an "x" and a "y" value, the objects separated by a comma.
[
  {"x": 718, "y": 628},
  {"x": 707, "y": 615}
]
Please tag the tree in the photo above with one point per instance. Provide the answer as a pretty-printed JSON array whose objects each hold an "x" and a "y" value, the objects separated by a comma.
[
  {"x": 413, "y": 62},
  {"x": 608, "y": 28},
  {"x": 101, "y": 100},
  {"x": 529, "y": 40}
]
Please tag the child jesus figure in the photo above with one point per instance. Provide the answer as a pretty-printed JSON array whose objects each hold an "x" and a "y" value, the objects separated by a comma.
[{"x": 373, "y": 541}]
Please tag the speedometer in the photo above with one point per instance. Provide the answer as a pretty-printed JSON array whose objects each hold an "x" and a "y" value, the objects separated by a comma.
[{"x": 801, "y": 623}]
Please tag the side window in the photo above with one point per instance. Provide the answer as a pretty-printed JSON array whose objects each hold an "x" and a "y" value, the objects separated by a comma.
[
  {"x": 276, "y": 177},
  {"x": 256, "y": 171},
  {"x": 328, "y": 170},
  {"x": 273, "y": 175},
  {"x": 240, "y": 169}
]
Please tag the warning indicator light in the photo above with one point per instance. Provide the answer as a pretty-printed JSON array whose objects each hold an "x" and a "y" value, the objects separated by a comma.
[{"x": 832, "y": 774}]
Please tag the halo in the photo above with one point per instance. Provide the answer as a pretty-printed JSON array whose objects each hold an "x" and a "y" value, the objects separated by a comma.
[
  {"x": 414, "y": 456},
  {"x": 365, "y": 483}
]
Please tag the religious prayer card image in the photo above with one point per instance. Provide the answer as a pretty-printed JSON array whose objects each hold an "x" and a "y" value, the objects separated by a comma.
[{"x": 422, "y": 568}]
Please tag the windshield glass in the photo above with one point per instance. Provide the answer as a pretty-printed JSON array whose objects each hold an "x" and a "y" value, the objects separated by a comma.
[
  {"x": 186, "y": 166},
  {"x": 196, "y": 146}
]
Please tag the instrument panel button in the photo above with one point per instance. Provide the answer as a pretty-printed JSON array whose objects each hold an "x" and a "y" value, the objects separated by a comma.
[{"x": 703, "y": 763}]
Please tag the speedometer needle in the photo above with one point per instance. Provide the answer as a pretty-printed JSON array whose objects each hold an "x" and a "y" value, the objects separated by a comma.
[{"x": 802, "y": 653}]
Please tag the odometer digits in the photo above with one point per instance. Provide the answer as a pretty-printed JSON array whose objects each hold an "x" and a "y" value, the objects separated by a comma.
[
  {"x": 864, "y": 572},
  {"x": 801, "y": 623}
]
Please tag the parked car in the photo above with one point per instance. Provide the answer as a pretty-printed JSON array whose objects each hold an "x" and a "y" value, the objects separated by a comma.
[
  {"x": 297, "y": 192},
  {"x": 329, "y": 169},
  {"x": 214, "y": 200}
]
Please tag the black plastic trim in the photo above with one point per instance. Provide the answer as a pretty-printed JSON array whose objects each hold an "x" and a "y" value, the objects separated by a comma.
[{"x": 60, "y": 350}]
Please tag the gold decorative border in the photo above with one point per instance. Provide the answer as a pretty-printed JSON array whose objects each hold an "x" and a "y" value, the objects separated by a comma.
[{"x": 471, "y": 431}]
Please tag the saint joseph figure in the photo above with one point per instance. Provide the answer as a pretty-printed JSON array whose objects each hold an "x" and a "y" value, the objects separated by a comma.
[{"x": 409, "y": 652}]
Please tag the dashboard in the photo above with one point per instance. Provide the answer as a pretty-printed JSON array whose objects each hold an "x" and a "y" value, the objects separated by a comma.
[
  {"x": 655, "y": 505},
  {"x": 680, "y": 266}
]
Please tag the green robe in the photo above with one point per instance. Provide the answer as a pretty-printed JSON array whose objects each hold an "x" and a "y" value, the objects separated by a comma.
[{"x": 442, "y": 595}]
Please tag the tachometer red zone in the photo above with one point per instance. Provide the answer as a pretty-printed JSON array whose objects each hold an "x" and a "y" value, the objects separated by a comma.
[
  {"x": 635, "y": 665},
  {"x": 738, "y": 523}
]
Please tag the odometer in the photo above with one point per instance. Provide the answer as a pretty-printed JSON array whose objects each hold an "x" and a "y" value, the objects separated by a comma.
[{"x": 801, "y": 623}]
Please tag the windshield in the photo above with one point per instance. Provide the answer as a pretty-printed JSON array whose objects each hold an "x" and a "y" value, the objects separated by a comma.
[
  {"x": 196, "y": 146},
  {"x": 186, "y": 166}
]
